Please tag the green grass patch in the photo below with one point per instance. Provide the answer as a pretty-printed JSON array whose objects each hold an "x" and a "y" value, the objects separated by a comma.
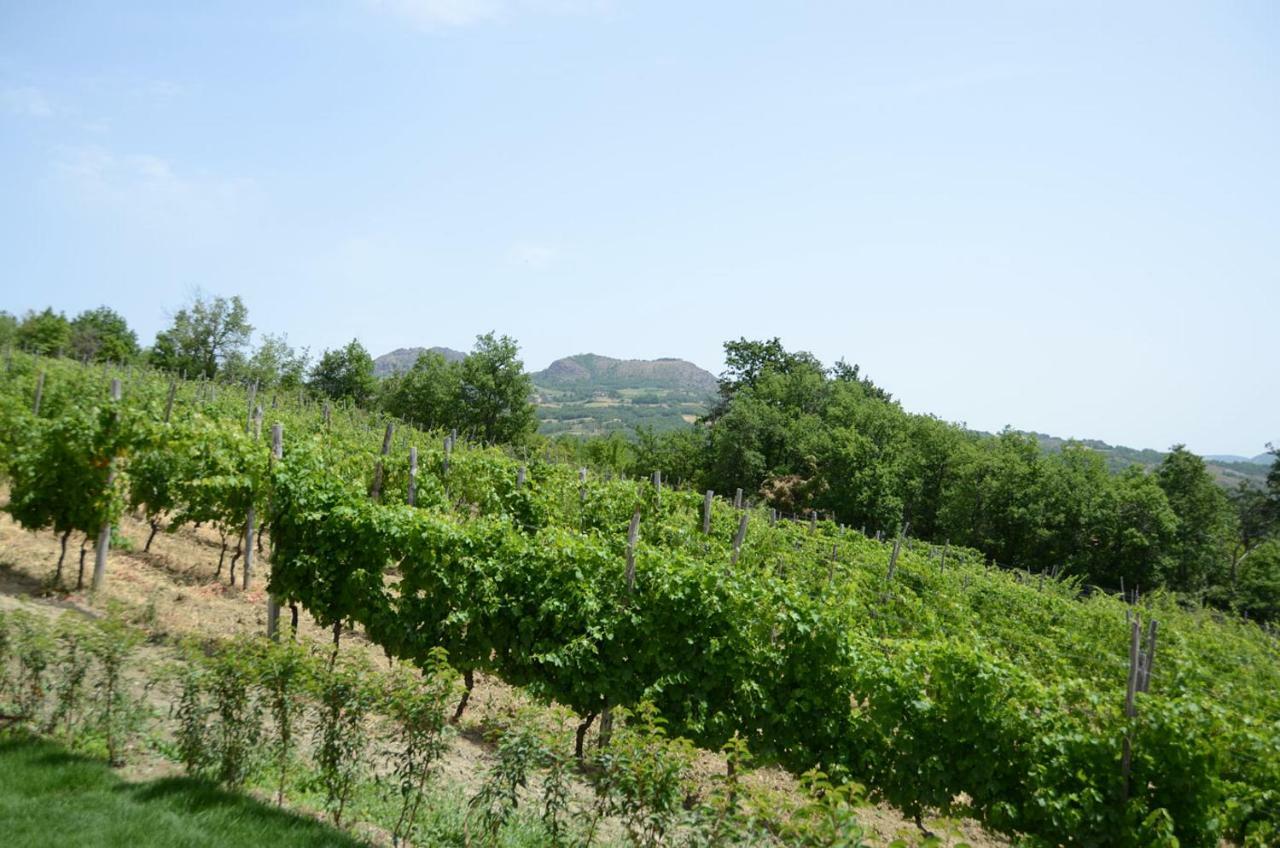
[{"x": 49, "y": 796}]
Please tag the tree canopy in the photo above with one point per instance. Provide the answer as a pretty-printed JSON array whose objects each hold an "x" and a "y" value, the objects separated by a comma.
[{"x": 203, "y": 337}]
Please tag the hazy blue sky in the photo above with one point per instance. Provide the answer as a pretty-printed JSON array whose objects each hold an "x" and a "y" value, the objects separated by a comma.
[{"x": 1058, "y": 216}]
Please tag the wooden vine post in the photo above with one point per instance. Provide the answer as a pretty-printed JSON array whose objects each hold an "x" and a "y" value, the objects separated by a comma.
[
  {"x": 254, "y": 427},
  {"x": 706, "y": 512},
  {"x": 1130, "y": 708},
  {"x": 737, "y": 499},
  {"x": 739, "y": 537},
  {"x": 375, "y": 489},
  {"x": 893, "y": 558},
  {"x": 273, "y": 606},
  {"x": 253, "y": 393},
  {"x": 35, "y": 407},
  {"x": 413, "y": 476},
  {"x": 168, "y": 403},
  {"x": 104, "y": 532},
  {"x": 606, "y": 710},
  {"x": 1142, "y": 652}
]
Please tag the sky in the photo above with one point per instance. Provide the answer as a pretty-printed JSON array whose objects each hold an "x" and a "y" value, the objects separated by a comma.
[{"x": 1056, "y": 216}]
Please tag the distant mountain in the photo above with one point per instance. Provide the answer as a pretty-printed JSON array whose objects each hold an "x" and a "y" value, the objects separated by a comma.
[
  {"x": 401, "y": 359},
  {"x": 590, "y": 394},
  {"x": 606, "y": 373},
  {"x": 1260, "y": 459},
  {"x": 1228, "y": 470}
]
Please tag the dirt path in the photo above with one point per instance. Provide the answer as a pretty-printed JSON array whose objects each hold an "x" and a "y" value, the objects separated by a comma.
[{"x": 171, "y": 591}]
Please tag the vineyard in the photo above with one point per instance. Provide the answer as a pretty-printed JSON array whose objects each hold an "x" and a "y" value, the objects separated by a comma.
[{"x": 943, "y": 685}]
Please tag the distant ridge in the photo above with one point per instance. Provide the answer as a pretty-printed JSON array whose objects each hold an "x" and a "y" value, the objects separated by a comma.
[
  {"x": 605, "y": 372},
  {"x": 401, "y": 359},
  {"x": 1260, "y": 459}
]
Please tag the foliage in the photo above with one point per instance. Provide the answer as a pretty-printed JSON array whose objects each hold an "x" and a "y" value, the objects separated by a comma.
[
  {"x": 345, "y": 374},
  {"x": 428, "y": 395},
  {"x": 799, "y": 643},
  {"x": 495, "y": 391},
  {"x": 274, "y": 364},
  {"x": 341, "y": 739},
  {"x": 102, "y": 335},
  {"x": 203, "y": 337},
  {"x": 47, "y": 333},
  {"x": 416, "y": 706}
]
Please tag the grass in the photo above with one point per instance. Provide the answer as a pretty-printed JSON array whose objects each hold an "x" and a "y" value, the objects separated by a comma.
[{"x": 49, "y": 796}]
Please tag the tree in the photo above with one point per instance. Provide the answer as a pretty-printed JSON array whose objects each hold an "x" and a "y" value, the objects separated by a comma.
[
  {"x": 275, "y": 364},
  {"x": 102, "y": 335},
  {"x": 429, "y": 394},
  {"x": 1258, "y": 589},
  {"x": 1134, "y": 535},
  {"x": 345, "y": 374},
  {"x": 47, "y": 333},
  {"x": 496, "y": 392},
  {"x": 203, "y": 337},
  {"x": 746, "y": 362},
  {"x": 8, "y": 330},
  {"x": 1204, "y": 518}
]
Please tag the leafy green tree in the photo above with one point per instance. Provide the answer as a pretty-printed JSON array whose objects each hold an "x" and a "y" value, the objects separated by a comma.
[
  {"x": 428, "y": 395},
  {"x": 1204, "y": 519},
  {"x": 102, "y": 335},
  {"x": 203, "y": 337},
  {"x": 496, "y": 392},
  {"x": 8, "y": 330},
  {"x": 345, "y": 374},
  {"x": 748, "y": 363},
  {"x": 274, "y": 364},
  {"x": 1255, "y": 517},
  {"x": 678, "y": 454},
  {"x": 47, "y": 333},
  {"x": 1258, "y": 582},
  {"x": 1134, "y": 534}
]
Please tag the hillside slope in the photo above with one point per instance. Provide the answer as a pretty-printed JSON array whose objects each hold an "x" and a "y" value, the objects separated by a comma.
[
  {"x": 589, "y": 394},
  {"x": 401, "y": 359}
]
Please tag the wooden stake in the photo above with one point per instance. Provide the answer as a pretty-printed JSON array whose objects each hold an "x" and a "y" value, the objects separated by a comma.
[
  {"x": 375, "y": 491},
  {"x": 35, "y": 407},
  {"x": 168, "y": 404},
  {"x": 1130, "y": 708},
  {"x": 893, "y": 558},
  {"x": 706, "y": 512},
  {"x": 253, "y": 393},
  {"x": 273, "y": 606},
  {"x": 739, "y": 537},
  {"x": 520, "y": 475},
  {"x": 413, "y": 476},
  {"x": 247, "y": 572},
  {"x": 104, "y": 532},
  {"x": 737, "y": 499},
  {"x": 633, "y": 536}
]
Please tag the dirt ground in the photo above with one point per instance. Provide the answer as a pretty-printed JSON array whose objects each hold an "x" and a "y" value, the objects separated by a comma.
[{"x": 172, "y": 591}]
